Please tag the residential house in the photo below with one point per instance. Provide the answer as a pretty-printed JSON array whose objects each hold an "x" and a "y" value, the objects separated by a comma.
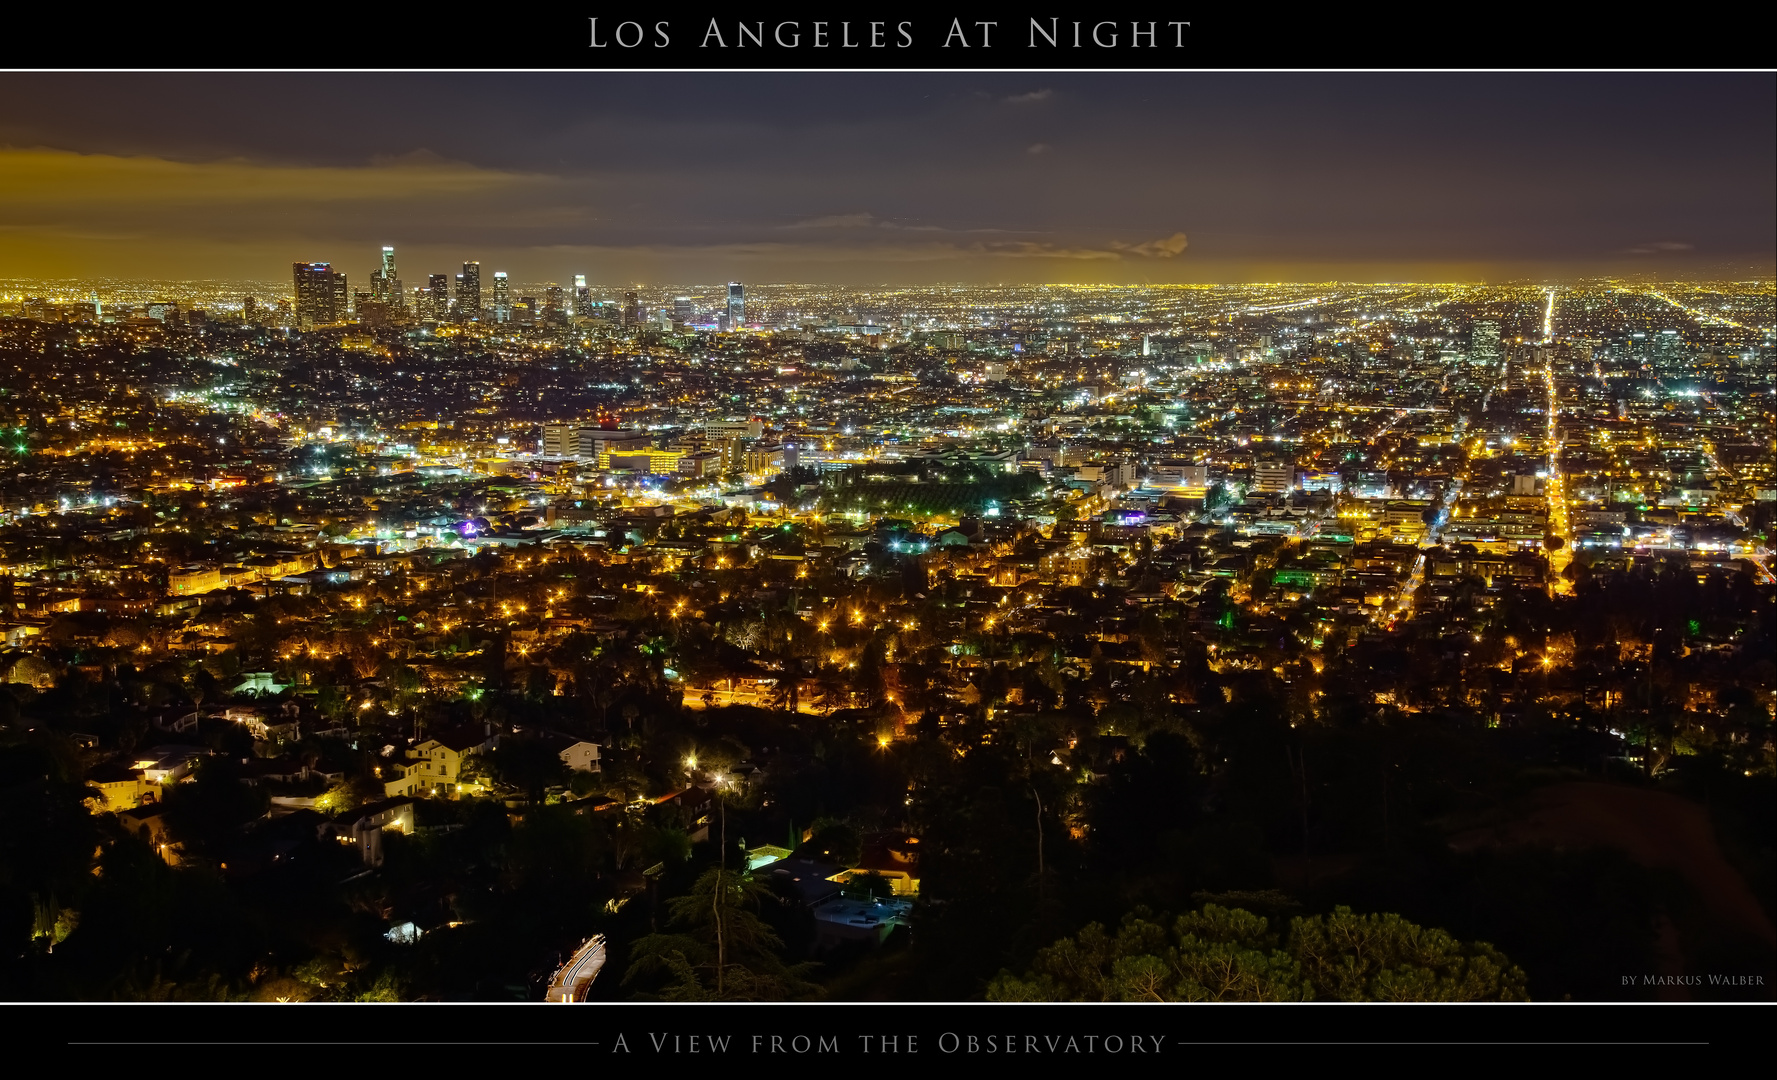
[
  {"x": 372, "y": 820},
  {"x": 120, "y": 788},
  {"x": 577, "y": 754},
  {"x": 434, "y": 766},
  {"x": 894, "y": 856},
  {"x": 169, "y": 764},
  {"x": 149, "y": 821},
  {"x": 266, "y": 725},
  {"x": 808, "y": 881}
]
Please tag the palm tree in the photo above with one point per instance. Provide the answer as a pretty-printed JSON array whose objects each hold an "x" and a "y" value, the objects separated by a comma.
[{"x": 723, "y": 941}]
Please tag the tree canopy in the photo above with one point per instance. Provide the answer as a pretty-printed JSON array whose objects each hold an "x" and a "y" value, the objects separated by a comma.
[
  {"x": 723, "y": 951},
  {"x": 1230, "y": 954}
]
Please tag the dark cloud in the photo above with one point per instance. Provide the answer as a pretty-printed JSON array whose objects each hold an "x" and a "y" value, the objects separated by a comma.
[
  {"x": 1660, "y": 247},
  {"x": 839, "y": 175},
  {"x": 1167, "y": 247},
  {"x": 838, "y": 221}
]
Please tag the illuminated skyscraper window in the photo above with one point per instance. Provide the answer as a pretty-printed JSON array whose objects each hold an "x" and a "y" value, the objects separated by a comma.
[
  {"x": 737, "y": 305},
  {"x": 320, "y": 295},
  {"x": 1484, "y": 343},
  {"x": 469, "y": 293},
  {"x": 502, "y": 298}
]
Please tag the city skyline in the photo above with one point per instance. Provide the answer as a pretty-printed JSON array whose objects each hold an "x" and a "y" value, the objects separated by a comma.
[
  {"x": 984, "y": 614},
  {"x": 916, "y": 178},
  {"x": 942, "y": 537}
]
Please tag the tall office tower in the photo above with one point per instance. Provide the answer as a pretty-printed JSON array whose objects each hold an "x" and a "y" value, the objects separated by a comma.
[
  {"x": 321, "y": 297},
  {"x": 632, "y": 310},
  {"x": 502, "y": 297},
  {"x": 683, "y": 312},
  {"x": 469, "y": 293},
  {"x": 737, "y": 305},
  {"x": 553, "y": 307},
  {"x": 1484, "y": 342},
  {"x": 1667, "y": 345},
  {"x": 392, "y": 282},
  {"x": 438, "y": 292},
  {"x": 582, "y": 298},
  {"x": 250, "y": 311},
  {"x": 561, "y": 440},
  {"x": 385, "y": 283}
]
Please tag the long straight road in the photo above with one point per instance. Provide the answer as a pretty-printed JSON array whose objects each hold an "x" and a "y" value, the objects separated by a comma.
[
  {"x": 1555, "y": 488},
  {"x": 1433, "y": 534}
]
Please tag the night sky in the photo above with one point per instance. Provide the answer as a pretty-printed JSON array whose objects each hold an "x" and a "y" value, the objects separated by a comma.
[{"x": 891, "y": 178}]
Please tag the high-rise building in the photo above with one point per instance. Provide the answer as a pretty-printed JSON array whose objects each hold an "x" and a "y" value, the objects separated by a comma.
[
  {"x": 582, "y": 298},
  {"x": 502, "y": 297},
  {"x": 750, "y": 428},
  {"x": 1484, "y": 342},
  {"x": 561, "y": 440},
  {"x": 632, "y": 310},
  {"x": 385, "y": 282},
  {"x": 737, "y": 305},
  {"x": 1274, "y": 476},
  {"x": 765, "y": 459},
  {"x": 683, "y": 312},
  {"x": 250, "y": 311},
  {"x": 554, "y": 307},
  {"x": 1667, "y": 345},
  {"x": 592, "y": 440},
  {"x": 321, "y": 297},
  {"x": 438, "y": 293},
  {"x": 469, "y": 293}
]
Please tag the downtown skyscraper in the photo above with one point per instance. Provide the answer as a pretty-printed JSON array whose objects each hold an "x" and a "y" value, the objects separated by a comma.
[
  {"x": 502, "y": 310},
  {"x": 321, "y": 297},
  {"x": 468, "y": 306},
  {"x": 737, "y": 305},
  {"x": 385, "y": 281},
  {"x": 437, "y": 298},
  {"x": 1484, "y": 346}
]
